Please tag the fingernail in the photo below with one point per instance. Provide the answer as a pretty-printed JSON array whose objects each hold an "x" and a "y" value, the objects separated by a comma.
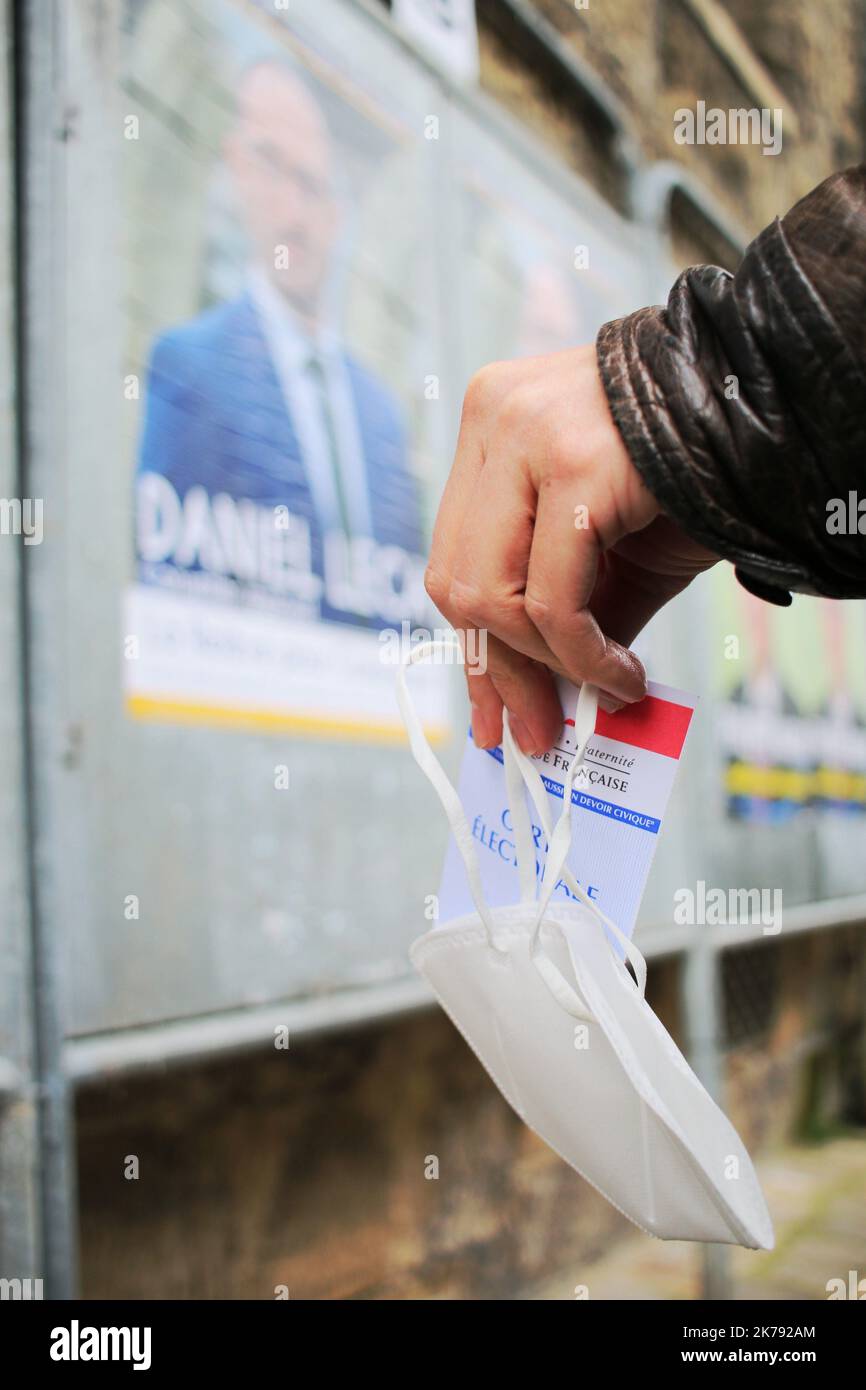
[
  {"x": 523, "y": 738},
  {"x": 609, "y": 703}
]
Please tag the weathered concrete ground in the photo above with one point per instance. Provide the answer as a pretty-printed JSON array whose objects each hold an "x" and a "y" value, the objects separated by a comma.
[{"x": 817, "y": 1197}]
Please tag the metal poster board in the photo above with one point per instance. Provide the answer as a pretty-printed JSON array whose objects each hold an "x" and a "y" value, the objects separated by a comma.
[
  {"x": 255, "y": 452},
  {"x": 284, "y": 271}
]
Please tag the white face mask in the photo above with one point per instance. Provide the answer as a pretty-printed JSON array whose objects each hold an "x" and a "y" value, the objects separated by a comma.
[{"x": 541, "y": 993}]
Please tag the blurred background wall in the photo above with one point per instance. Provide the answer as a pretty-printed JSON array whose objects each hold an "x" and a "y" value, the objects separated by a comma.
[{"x": 305, "y": 1168}]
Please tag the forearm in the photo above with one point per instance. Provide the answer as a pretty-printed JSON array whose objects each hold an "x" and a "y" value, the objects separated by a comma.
[{"x": 743, "y": 402}]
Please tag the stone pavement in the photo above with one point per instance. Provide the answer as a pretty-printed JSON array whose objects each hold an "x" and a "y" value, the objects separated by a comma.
[{"x": 817, "y": 1198}]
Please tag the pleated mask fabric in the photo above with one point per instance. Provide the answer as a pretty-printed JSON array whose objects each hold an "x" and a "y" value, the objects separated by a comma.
[{"x": 542, "y": 993}]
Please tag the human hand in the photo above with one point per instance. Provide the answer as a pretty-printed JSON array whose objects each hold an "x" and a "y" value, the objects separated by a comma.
[{"x": 548, "y": 539}]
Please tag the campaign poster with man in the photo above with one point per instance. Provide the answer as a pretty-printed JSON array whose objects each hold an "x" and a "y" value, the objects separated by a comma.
[{"x": 279, "y": 520}]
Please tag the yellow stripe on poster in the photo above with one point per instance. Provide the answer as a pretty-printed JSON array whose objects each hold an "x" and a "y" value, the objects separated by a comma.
[
  {"x": 836, "y": 784},
  {"x": 790, "y": 784},
  {"x": 260, "y": 720},
  {"x": 747, "y": 779}
]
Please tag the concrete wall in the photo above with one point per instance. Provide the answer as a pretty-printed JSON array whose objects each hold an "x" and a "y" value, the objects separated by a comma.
[
  {"x": 307, "y": 1168},
  {"x": 657, "y": 57}
]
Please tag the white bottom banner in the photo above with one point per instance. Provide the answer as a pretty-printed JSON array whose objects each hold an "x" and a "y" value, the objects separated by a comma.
[{"x": 189, "y": 661}]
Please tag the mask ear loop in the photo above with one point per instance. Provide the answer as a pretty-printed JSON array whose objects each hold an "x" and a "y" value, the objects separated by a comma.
[
  {"x": 563, "y": 992},
  {"x": 524, "y": 840},
  {"x": 559, "y": 837},
  {"x": 432, "y": 768}
]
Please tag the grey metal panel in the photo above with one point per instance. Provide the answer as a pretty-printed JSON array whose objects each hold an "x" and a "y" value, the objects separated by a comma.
[
  {"x": 250, "y": 896},
  {"x": 95, "y": 1057},
  {"x": 42, "y": 52},
  {"x": 19, "y": 1220},
  {"x": 247, "y": 894}
]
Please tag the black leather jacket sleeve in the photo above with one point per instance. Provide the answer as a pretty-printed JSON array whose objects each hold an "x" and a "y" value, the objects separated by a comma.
[{"x": 743, "y": 402}]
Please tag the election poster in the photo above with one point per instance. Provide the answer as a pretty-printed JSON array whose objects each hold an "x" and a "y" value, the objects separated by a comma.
[
  {"x": 791, "y": 726},
  {"x": 281, "y": 456}
]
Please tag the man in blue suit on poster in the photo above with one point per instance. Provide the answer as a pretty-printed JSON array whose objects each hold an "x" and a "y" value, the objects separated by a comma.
[{"x": 273, "y": 468}]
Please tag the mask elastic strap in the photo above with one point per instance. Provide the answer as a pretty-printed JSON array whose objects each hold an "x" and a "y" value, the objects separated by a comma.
[
  {"x": 560, "y": 841},
  {"x": 432, "y": 768},
  {"x": 522, "y": 775},
  {"x": 559, "y": 837},
  {"x": 524, "y": 840}
]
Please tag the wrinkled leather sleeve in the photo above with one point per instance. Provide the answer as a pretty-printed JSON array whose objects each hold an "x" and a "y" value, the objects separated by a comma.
[{"x": 751, "y": 477}]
